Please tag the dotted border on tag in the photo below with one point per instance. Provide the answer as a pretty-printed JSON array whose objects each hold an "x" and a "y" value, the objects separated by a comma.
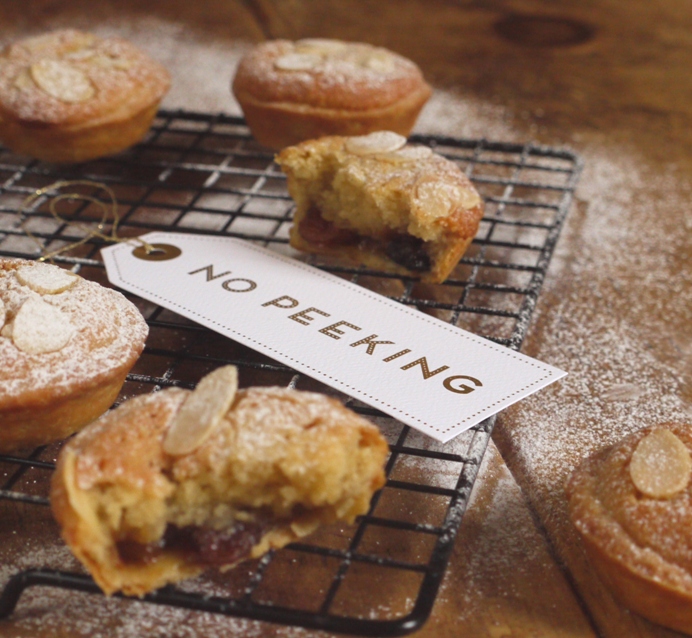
[{"x": 458, "y": 332}]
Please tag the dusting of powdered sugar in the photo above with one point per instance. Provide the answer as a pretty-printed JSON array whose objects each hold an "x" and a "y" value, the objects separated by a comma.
[
  {"x": 104, "y": 332},
  {"x": 618, "y": 276},
  {"x": 587, "y": 322},
  {"x": 203, "y": 63},
  {"x": 50, "y": 611}
]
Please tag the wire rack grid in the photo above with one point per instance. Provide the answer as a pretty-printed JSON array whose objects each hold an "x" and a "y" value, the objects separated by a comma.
[{"x": 203, "y": 173}]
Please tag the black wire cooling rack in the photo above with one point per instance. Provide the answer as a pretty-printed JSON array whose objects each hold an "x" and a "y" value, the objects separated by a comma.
[{"x": 202, "y": 173}]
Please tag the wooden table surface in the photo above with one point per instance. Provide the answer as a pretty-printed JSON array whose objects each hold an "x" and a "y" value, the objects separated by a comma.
[{"x": 608, "y": 79}]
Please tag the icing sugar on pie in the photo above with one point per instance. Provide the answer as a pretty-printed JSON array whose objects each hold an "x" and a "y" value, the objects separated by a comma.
[{"x": 66, "y": 345}]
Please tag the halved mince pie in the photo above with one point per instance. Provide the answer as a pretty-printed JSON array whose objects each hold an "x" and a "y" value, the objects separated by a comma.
[
  {"x": 378, "y": 201},
  {"x": 173, "y": 483}
]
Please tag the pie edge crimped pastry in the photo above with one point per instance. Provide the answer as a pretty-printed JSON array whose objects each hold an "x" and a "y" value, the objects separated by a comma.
[
  {"x": 639, "y": 577},
  {"x": 449, "y": 234},
  {"x": 330, "y": 465},
  {"x": 47, "y": 397},
  {"x": 284, "y": 107},
  {"x": 126, "y": 87}
]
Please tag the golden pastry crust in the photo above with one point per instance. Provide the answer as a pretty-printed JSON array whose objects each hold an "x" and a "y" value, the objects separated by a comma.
[
  {"x": 65, "y": 353},
  {"x": 640, "y": 545},
  {"x": 68, "y": 96},
  {"x": 377, "y": 201},
  {"x": 278, "y": 464},
  {"x": 294, "y": 91}
]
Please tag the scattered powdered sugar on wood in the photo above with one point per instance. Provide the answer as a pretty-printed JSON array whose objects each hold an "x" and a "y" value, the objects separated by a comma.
[
  {"x": 449, "y": 113},
  {"x": 622, "y": 376}
]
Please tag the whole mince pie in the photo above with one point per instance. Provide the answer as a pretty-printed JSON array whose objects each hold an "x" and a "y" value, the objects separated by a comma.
[
  {"x": 378, "y": 201},
  {"x": 175, "y": 482},
  {"x": 66, "y": 347},
  {"x": 295, "y": 91},
  {"x": 632, "y": 506},
  {"x": 70, "y": 96}
]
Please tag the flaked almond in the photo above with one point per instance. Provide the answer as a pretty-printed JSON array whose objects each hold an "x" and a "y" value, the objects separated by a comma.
[
  {"x": 80, "y": 55},
  {"x": 62, "y": 80},
  {"x": 661, "y": 465},
  {"x": 24, "y": 81},
  {"x": 6, "y": 330},
  {"x": 374, "y": 143},
  {"x": 379, "y": 61},
  {"x": 623, "y": 392},
  {"x": 325, "y": 46},
  {"x": 436, "y": 200},
  {"x": 202, "y": 411},
  {"x": 40, "y": 327},
  {"x": 407, "y": 154},
  {"x": 46, "y": 279},
  {"x": 297, "y": 62},
  {"x": 3, "y": 314}
]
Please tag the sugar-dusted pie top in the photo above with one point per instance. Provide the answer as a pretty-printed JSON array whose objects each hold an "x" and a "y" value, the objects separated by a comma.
[
  {"x": 416, "y": 190},
  {"x": 59, "y": 331},
  {"x": 649, "y": 531},
  {"x": 69, "y": 77},
  {"x": 328, "y": 74},
  {"x": 266, "y": 428}
]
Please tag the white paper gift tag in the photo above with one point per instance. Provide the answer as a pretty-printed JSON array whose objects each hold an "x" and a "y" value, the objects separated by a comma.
[{"x": 428, "y": 374}]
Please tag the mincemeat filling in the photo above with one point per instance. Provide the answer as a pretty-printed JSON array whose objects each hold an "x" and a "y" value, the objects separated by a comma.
[
  {"x": 405, "y": 250},
  {"x": 203, "y": 545}
]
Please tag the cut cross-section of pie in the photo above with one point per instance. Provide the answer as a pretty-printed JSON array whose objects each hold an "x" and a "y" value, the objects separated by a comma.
[
  {"x": 147, "y": 496},
  {"x": 378, "y": 201}
]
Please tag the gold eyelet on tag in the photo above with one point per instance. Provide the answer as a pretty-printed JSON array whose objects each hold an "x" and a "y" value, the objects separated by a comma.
[{"x": 157, "y": 252}]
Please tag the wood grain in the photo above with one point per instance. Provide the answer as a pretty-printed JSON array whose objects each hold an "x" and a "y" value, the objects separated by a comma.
[{"x": 608, "y": 79}]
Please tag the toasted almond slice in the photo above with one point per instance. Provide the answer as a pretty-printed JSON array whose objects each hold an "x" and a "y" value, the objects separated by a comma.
[
  {"x": 7, "y": 329},
  {"x": 3, "y": 314},
  {"x": 379, "y": 61},
  {"x": 297, "y": 62},
  {"x": 80, "y": 55},
  {"x": 374, "y": 143},
  {"x": 324, "y": 46},
  {"x": 24, "y": 81},
  {"x": 202, "y": 411},
  {"x": 437, "y": 200},
  {"x": 46, "y": 279},
  {"x": 661, "y": 465},
  {"x": 40, "y": 327},
  {"x": 62, "y": 80},
  {"x": 407, "y": 154}
]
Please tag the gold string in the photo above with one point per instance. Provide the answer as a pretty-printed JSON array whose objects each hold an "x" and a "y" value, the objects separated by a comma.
[{"x": 108, "y": 209}]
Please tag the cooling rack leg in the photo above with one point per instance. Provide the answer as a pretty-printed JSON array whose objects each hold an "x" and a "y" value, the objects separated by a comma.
[
  {"x": 19, "y": 582},
  {"x": 10, "y": 595}
]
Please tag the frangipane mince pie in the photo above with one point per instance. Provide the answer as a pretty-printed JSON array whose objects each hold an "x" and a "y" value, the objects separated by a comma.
[
  {"x": 295, "y": 91},
  {"x": 69, "y": 96},
  {"x": 173, "y": 483},
  {"x": 378, "y": 201},
  {"x": 632, "y": 505},
  {"x": 66, "y": 346}
]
